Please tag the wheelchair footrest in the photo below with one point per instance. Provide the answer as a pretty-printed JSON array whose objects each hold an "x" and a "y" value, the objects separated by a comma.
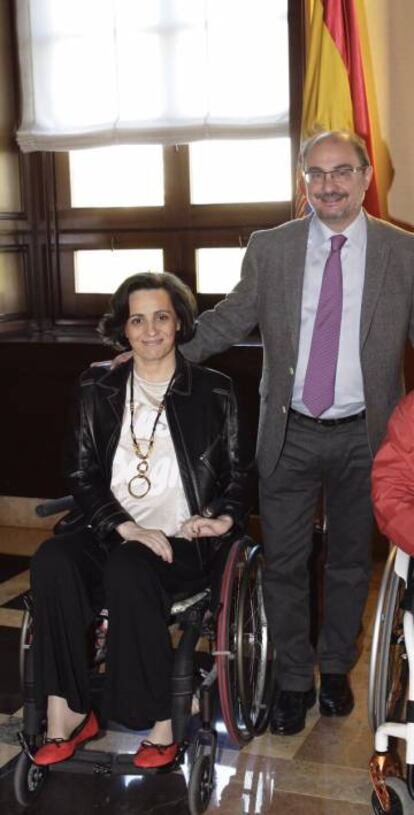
[{"x": 100, "y": 762}]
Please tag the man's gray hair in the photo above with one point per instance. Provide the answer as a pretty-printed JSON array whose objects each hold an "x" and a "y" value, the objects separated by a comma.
[{"x": 336, "y": 136}]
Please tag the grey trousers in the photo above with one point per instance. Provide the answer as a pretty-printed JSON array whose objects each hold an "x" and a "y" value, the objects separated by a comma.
[{"x": 338, "y": 461}]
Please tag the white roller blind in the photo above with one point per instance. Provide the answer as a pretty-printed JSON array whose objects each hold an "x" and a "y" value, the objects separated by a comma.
[{"x": 98, "y": 72}]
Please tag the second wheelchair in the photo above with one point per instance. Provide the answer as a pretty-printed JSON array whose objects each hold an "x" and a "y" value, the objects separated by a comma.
[{"x": 391, "y": 688}]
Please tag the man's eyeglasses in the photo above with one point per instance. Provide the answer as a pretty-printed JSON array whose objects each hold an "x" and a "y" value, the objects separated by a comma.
[{"x": 340, "y": 174}]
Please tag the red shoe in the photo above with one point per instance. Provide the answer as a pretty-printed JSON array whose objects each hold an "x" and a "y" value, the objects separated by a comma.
[
  {"x": 56, "y": 750},
  {"x": 152, "y": 757}
]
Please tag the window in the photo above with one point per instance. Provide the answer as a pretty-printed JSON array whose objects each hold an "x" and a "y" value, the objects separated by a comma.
[{"x": 186, "y": 208}]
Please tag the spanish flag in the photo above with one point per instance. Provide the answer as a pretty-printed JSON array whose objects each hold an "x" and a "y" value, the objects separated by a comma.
[{"x": 335, "y": 92}]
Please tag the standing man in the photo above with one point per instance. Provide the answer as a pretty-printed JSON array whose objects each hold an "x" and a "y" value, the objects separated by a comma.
[{"x": 332, "y": 294}]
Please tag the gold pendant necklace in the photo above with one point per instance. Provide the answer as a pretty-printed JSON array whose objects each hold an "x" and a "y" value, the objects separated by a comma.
[{"x": 140, "y": 484}]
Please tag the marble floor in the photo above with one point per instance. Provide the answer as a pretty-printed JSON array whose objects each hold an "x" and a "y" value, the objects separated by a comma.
[{"x": 322, "y": 770}]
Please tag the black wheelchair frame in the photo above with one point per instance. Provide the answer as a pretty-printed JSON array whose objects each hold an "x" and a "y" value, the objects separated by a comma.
[{"x": 243, "y": 668}]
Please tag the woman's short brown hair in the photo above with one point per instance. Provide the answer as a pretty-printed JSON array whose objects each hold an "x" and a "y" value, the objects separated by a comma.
[{"x": 112, "y": 324}]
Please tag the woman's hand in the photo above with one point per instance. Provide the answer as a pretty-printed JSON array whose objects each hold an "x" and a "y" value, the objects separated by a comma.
[
  {"x": 154, "y": 539},
  {"x": 199, "y": 527}
]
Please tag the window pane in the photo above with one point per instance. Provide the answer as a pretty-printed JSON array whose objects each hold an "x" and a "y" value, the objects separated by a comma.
[
  {"x": 12, "y": 284},
  {"x": 240, "y": 171},
  {"x": 248, "y": 58},
  {"x": 101, "y": 271},
  {"x": 121, "y": 176},
  {"x": 218, "y": 270},
  {"x": 10, "y": 196}
]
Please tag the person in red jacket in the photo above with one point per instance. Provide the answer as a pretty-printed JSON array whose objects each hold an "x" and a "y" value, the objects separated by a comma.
[{"x": 393, "y": 478}]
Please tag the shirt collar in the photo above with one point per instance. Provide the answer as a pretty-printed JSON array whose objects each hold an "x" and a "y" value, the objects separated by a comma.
[{"x": 356, "y": 232}]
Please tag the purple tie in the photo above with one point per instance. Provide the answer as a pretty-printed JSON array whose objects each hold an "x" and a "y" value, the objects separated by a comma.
[{"x": 319, "y": 388}]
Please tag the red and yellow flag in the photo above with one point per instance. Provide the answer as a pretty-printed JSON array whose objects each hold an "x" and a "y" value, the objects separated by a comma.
[{"x": 335, "y": 92}]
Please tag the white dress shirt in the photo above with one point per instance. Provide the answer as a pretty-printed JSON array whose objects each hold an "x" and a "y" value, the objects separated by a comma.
[{"x": 349, "y": 389}]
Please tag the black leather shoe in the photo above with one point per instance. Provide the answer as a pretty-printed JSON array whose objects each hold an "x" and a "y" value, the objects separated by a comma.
[
  {"x": 289, "y": 712},
  {"x": 335, "y": 696}
]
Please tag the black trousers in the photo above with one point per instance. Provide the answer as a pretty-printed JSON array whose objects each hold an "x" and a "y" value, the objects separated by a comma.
[
  {"x": 338, "y": 461},
  {"x": 71, "y": 578}
]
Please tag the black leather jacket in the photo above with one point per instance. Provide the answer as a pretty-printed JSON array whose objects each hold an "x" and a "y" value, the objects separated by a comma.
[{"x": 212, "y": 444}]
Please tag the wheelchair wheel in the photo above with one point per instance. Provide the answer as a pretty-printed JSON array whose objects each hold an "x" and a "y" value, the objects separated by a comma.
[
  {"x": 200, "y": 785},
  {"x": 396, "y": 804},
  {"x": 255, "y": 662},
  {"x": 28, "y": 780},
  {"x": 400, "y": 787},
  {"x": 227, "y": 645},
  {"x": 388, "y": 676}
]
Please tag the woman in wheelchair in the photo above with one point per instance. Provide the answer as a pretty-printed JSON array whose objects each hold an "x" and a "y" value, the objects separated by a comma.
[
  {"x": 159, "y": 465},
  {"x": 393, "y": 478}
]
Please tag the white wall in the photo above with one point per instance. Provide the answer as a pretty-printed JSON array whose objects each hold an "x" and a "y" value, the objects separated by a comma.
[{"x": 390, "y": 30}]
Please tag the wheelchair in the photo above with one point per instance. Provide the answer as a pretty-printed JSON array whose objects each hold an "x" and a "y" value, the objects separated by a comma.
[
  {"x": 240, "y": 663},
  {"x": 391, "y": 688}
]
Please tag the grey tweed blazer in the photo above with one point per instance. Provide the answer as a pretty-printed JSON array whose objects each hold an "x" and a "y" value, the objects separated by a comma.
[{"x": 269, "y": 295}]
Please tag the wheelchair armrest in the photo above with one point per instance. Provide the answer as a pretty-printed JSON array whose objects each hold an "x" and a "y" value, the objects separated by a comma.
[
  {"x": 71, "y": 522},
  {"x": 54, "y": 506}
]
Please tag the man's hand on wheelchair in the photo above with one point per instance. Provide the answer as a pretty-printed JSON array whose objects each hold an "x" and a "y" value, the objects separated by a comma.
[
  {"x": 199, "y": 527},
  {"x": 154, "y": 539}
]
